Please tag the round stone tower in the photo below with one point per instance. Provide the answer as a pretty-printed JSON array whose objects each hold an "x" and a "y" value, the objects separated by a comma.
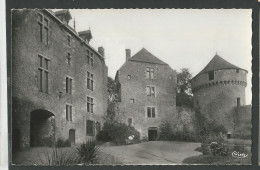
[{"x": 218, "y": 90}]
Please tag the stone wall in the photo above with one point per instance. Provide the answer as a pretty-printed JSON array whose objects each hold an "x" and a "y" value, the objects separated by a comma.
[
  {"x": 243, "y": 122},
  {"x": 217, "y": 99},
  {"x": 26, "y": 97},
  {"x": 164, "y": 99}
]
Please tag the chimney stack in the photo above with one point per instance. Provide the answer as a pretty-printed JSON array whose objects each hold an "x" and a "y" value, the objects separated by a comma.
[
  {"x": 127, "y": 54},
  {"x": 85, "y": 35},
  {"x": 101, "y": 51}
]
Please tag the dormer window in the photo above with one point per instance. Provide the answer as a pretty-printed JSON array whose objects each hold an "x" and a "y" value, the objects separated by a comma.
[{"x": 211, "y": 75}]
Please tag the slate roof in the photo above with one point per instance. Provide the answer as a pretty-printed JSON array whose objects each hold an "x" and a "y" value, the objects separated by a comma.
[
  {"x": 145, "y": 56},
  {"x": 218, "y": 63}
]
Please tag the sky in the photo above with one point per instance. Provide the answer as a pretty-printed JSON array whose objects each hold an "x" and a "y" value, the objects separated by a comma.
[{"x": 183, "y": 38}]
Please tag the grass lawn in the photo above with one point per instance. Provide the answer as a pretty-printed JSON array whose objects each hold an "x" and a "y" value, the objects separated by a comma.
[{"x": 217, "y": 160}]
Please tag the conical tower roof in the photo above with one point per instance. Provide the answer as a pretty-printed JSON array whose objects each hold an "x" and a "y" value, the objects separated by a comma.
[
  {"x": 145, "y": 56},
  {"x": 218, "y": 63}
]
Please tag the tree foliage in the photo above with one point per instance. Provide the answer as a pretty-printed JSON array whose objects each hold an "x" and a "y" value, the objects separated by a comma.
[
  {"x": 184, "y": 81},
  {"x": 111, "y": 90},
  {"x": 184, "y": 95}
]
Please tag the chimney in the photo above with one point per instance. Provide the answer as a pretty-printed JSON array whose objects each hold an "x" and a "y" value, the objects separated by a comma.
[
  {"x": 127, "y": 54},
  {"x": 101, "y": 51},
  {"x": 86, "y": 35},
  {"x": 63, "y": 15}
]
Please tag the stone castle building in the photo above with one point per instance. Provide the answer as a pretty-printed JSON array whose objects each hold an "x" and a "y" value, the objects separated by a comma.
[
  {"x": 59, "y": 82},
  {"x": 219, "y": 93},
  {"x": 147, "y": 92}
]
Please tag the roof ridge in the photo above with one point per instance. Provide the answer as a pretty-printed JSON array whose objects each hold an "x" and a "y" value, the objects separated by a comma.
[
  {"x": 144, "y": 55},
  {"x": 218, "y": 63}
]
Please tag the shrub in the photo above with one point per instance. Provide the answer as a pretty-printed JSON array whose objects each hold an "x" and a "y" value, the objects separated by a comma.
[
  {"x": 61, "y": 143},
  {"x": 88, "y": 152},
  {"x": 59, "y": 157},
  {"x": 103, "y": 136},
  {"x": 47, "y": 141},
  {"x": 208, "y": 130},
  {"x": 118, "y": 133},
  {"x": 169, "y": 133}
]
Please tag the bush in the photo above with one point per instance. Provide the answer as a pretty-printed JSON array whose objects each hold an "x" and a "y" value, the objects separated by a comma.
[
  {"x": 184, "y": 99},
  {"x": 59, "y": 157},
  {"x": 208, "y": 130},
  {"x": 169, "y": 133},
  {"x": 118, "y": 133},
  {"x": 47, "y": 141},
  {"x": 103, "y": 136},
  {"x": 88, "y": 152},
  {"x": 61, "y": 143}
]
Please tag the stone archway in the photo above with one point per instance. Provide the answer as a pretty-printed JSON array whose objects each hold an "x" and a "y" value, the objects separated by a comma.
[{"x": 42, "y": 128}]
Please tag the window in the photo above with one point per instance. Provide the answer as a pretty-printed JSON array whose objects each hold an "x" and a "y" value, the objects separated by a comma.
[
  {"x": 98, "y": 127},
  {"x": 151, "y": 112},
  {"x": 68, "y": 112},
  {"x": 149, "y": 73},
  {"x": 237, "y": 70},
  {"x": 43, "y": 74},
  {"x": 132, "y": 100},
  {"x": 130, "y": 121},
  {"x": 90, "y": 128},
  {"x": 69, "y": 59},
  {"x": 238, "y": 101},
  {"x": 211, "y": 75},
  {"x": 90, "y": 104},
  {"x": 90, "y": 81},
  {"x": 129, "y": 77},
  {"x": 90, "y": 58},
  {"x": 150, "y": 90},
  {"x": 43, "y": 29},
  {"x": 68, "y": 85},
  {"x": 68, "y": 40}
]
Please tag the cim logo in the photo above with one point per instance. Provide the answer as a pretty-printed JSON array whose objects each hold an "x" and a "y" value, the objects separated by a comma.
[{"x": 239, "y": 155}]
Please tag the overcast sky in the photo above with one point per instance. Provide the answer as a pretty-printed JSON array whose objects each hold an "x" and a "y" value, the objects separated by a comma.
[{"x": 180, "y": 37}]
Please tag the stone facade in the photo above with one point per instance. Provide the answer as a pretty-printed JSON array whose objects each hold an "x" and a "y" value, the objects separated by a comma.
[
  {"x": 50, "y": 62},
  {"x": 219, "y": 93},
  {"x": 132, "y": 81}
]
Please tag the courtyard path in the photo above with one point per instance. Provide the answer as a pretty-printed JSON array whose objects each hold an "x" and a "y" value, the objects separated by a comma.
[{"x": 152, "y": 153}]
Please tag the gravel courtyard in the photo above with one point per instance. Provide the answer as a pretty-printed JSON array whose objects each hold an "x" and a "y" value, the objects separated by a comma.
[
  {"x": 152, "y": 153},
  {"x": 149, "y": 153}
]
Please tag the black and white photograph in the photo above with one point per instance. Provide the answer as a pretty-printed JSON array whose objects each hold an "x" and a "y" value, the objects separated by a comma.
[{"x": 131, "y": 87}]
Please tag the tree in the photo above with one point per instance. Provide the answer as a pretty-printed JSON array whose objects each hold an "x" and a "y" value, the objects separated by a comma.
[
  {"x": 184, "y": 95},
  {"x": 184, "y": 81},
  {"x": 111, "y": 90},
  {"x": 111, "y": 99}
]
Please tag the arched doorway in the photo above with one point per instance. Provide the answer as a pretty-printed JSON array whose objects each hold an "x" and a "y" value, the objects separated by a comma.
[
  {"x": 152, "y": 133},
  {"x": 41, "y": 128},
  {"x": 72, "y": 136}
]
